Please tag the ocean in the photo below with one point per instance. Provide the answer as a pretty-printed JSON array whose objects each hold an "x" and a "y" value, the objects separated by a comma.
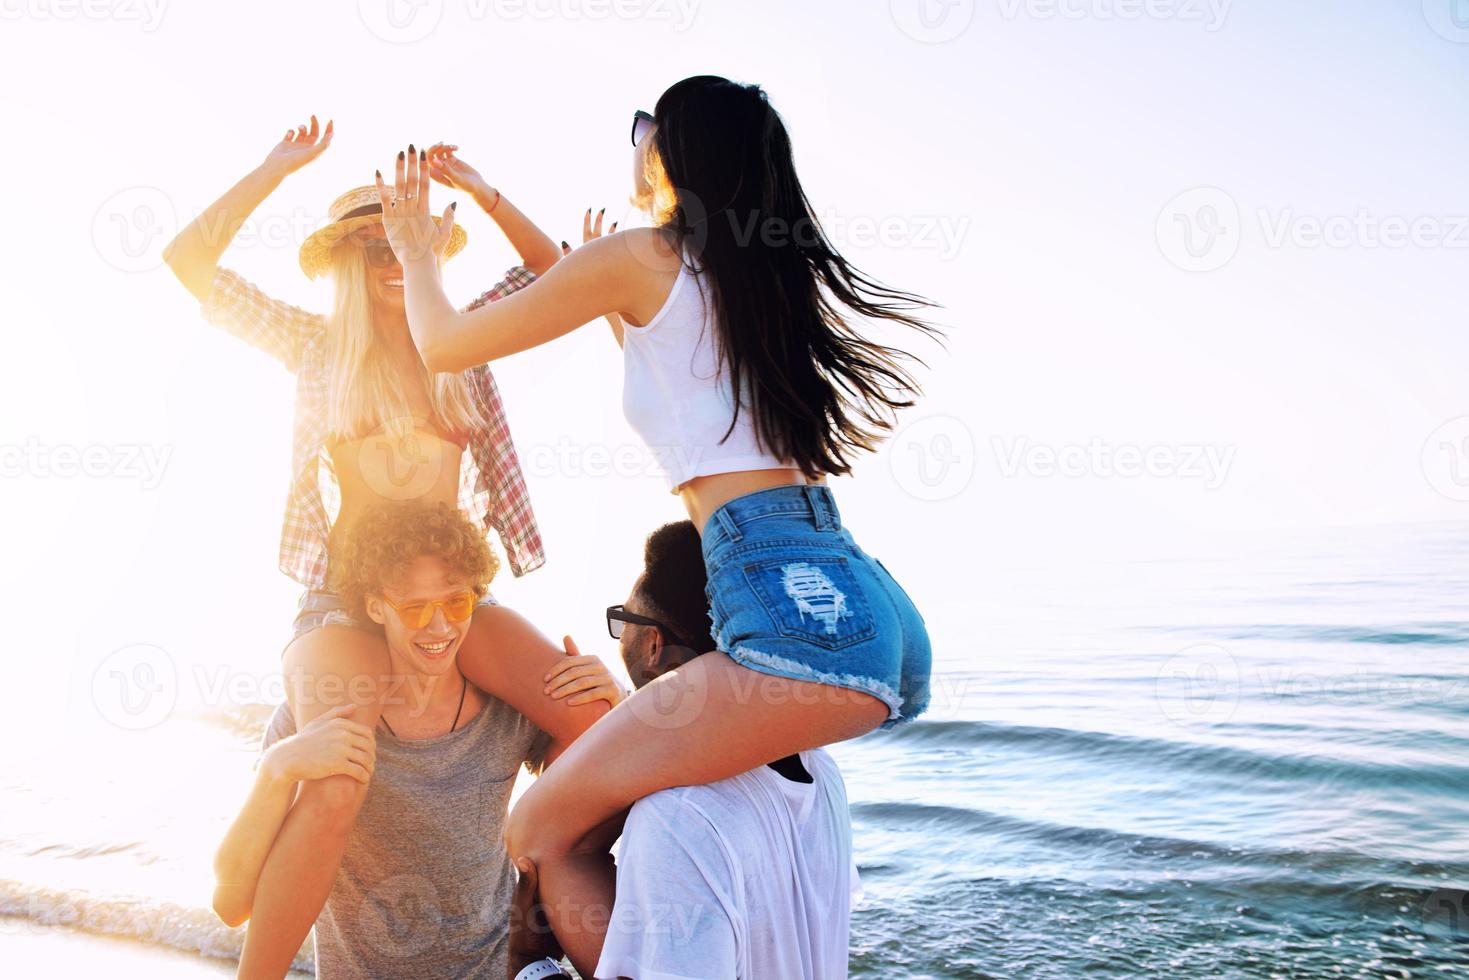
[{"x": 1252, "y": 762}]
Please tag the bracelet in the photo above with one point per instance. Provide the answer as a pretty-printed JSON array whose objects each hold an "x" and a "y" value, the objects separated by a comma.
[
  {"x": 492, "y": 207},
  {"x": 539, "y": 969}
]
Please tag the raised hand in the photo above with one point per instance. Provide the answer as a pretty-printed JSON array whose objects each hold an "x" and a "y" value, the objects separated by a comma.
[
  {"x": 583, "y": 678},
  {"x": 407, "y": 223},
  {"x": 445, "y": 167},
  {"x": 590, "y": 229},
  {"x": 299, "y": 147}
]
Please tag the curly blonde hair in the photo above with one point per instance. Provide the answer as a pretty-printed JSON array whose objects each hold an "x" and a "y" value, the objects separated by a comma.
[{"x": 376, "y": 550}]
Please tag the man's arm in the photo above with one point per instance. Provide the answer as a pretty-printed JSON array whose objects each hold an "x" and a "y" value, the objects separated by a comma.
[{"x": 531, "y": 938}]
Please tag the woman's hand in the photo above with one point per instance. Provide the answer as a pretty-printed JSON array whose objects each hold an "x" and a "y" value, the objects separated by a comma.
[
  {"x": 298, "y": 148},
  {"x": 332, "y": 744},
  {"x": 590, "y": 230},
  {"x": 407, "y": 223},
  {"x": 583, "y": 679},
  {"x": 449, "y": 170}
]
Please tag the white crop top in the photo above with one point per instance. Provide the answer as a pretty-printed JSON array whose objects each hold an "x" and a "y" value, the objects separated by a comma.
[{"x": 676, "y": 399}]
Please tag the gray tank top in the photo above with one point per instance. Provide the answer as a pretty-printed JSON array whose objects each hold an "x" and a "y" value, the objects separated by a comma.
[{"x": 425, "y": 885}]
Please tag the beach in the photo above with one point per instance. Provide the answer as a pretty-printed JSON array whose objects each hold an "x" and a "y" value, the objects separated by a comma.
[
  {"x": 1245, "y": 764},
  {"x": 29, "y": 949}
]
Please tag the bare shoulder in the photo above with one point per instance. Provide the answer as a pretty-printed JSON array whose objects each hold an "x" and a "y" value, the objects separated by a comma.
[
  {"x": 651, "y": 248},
  {"x": 648, "y": 261},
  {"x": 635, "y": 252}
]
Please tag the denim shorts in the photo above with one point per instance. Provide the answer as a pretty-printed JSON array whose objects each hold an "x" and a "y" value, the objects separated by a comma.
[
  {"x": 322, "y": 607},
  {"x": 791, "y": 594}
]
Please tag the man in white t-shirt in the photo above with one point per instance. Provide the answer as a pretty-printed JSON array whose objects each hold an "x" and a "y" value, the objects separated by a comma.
[{"x": 750, "y": 877}]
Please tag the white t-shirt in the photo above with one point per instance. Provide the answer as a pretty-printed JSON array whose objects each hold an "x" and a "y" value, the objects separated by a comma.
[{"x": 749, "y": 878}]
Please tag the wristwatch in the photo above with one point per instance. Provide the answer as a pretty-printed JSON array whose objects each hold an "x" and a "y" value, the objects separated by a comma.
[{"x": 541, "y": 968}]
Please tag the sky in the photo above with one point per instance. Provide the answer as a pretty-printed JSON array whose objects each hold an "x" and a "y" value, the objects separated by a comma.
[{"x": 1200, "y": 265}]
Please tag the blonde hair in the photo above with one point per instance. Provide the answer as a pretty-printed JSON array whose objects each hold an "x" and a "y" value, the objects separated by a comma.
[
  {"x": 656, "y": 197},
  {"x": 366, "y": 395}
]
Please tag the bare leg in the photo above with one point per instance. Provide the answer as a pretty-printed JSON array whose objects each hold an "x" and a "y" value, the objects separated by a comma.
[
  {"x": 504, "y": 655},
  {"x": 327, "y": 667},
  {"x": 708, "y": 720}
]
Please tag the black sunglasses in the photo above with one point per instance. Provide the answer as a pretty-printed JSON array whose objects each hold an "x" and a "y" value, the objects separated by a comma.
[
  {"x": 618, "y": 617},
  {"x": 641, "y": 123}
]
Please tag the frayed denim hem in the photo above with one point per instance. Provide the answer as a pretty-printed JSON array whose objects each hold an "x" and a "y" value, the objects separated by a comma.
[{"x": 770, "y": 663}]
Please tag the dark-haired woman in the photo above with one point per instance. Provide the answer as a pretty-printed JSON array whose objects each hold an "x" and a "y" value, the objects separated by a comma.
[{"x": 742, "y": 367}]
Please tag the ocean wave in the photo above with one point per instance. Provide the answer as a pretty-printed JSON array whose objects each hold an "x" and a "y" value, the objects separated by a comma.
[
  {"x": 1298, "y": 769},
  {"x": 1100, "y": 841},
  {"x": 193, "y": 930},
  {"x": 1445, "y": 633},
  {"x": 1055, "y": 929}
]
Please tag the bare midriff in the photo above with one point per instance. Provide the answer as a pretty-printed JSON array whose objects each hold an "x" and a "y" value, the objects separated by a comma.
[
  {"x": 417, "y": 465},
  {"x": 703, "y": 495}
]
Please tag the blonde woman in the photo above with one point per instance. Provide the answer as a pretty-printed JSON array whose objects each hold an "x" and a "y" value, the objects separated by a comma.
[{"x": 372, "y": 424}]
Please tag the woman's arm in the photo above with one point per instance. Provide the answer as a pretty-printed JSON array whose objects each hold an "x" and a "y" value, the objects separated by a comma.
[
  {"x": 627, "y": 273},
  {"x": 582, "y": 287},
  {"x": 331, "y": 744},
  {"x": 536, "y": 249},
  {"x": 194, "y": 253}
]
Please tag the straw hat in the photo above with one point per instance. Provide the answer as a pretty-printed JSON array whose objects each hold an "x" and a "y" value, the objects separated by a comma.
[{"x": 355, "y": 209}]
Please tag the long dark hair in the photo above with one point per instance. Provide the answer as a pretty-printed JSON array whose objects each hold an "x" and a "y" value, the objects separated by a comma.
[{"x": 781, "y": 293}]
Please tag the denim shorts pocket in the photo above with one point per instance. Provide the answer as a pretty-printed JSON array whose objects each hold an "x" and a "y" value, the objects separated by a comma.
[{"x": 816, "y": 598}]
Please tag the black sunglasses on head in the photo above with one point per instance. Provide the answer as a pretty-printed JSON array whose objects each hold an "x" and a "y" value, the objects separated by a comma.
[
  {"x": 618, "y": 618},
  {"x": 641, "y": 123}
]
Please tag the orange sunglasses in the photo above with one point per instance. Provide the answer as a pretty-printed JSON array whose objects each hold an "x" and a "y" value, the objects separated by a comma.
[{"x": 417, "y": 613}]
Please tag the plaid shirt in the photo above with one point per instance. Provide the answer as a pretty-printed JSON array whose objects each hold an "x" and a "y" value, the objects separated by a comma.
[{"x": 492, "y": 490}]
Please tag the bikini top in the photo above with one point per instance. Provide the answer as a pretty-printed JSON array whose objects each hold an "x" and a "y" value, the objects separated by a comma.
[{"x": 421, "y": 424}]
